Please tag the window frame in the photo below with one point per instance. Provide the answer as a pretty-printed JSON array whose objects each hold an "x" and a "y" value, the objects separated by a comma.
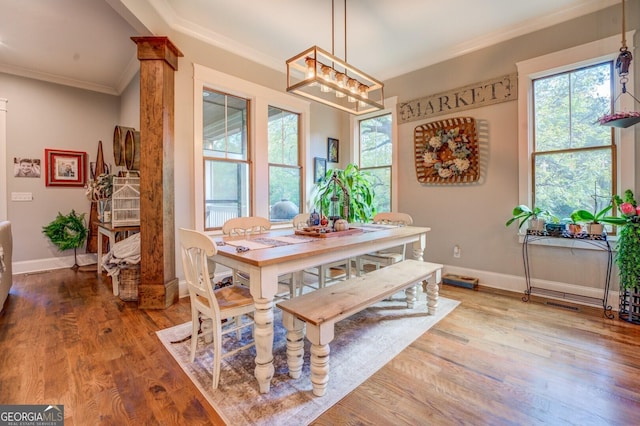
[
  {"x": 390, "y": 108},
  {"x": 260, "y": 98},
  {"x": 561, "y": 61}
]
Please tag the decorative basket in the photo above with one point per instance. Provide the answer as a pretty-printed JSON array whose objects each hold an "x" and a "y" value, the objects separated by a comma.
[{"x": 128, "y": 281}]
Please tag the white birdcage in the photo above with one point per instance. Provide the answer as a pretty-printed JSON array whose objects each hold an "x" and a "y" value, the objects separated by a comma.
[{"x": 125, "y": 201}]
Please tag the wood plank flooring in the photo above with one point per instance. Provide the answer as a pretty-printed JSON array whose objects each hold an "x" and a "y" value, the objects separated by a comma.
[{"x": 64, "y": 338}]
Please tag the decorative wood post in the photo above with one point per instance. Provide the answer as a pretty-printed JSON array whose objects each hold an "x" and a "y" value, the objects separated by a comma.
[{"x": 158, "y": 282}]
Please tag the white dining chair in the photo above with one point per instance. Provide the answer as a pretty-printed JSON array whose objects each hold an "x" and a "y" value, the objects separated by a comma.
[
  {"x": 379, "y": 259},
  {"x": 252, "y": 225},
  {"x": 232, "y": 303},
  {"x": 326, "y": 273}
]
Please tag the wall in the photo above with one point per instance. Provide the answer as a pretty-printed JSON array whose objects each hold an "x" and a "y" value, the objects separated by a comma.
[
  {"x": 43, "y": 115},
  {"x": 473, "y": 216}
]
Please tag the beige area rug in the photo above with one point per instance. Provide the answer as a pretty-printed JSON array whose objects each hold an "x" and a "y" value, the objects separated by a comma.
[{"x": 363, "y": 344}]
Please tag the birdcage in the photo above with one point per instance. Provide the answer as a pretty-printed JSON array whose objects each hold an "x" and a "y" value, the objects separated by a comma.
[{"x": 125, "y": 201}]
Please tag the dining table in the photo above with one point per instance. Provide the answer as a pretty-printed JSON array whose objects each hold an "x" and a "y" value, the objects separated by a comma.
[{"x": 266, "y": 256}]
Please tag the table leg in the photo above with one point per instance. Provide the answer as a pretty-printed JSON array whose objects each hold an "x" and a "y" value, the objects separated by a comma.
[
  {"x": 419, "y": 246},
  {"x": 99, "y": 252},
  {"x": 263, "y": 335},
  {"x": 295, "y": 343},
  {"x": 320, "y": 337}
]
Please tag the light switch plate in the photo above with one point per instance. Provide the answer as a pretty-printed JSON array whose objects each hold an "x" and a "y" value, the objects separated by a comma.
[{"x": 21, "y": 196}]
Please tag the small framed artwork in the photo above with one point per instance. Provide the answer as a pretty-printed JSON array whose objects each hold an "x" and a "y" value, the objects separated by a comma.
[
  {"x": 333, "y": 148},
  {"x": 319, "y": 168},
  {"x": 65, "y": 168},
  {"x": 26, "y": 167}
]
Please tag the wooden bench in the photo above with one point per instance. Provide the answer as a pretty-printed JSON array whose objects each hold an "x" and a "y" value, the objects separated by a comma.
[{"x": 321, "y": 309}]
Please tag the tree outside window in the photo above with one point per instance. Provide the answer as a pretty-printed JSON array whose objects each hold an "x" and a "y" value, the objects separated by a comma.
[{"x": 376, "y": 156}]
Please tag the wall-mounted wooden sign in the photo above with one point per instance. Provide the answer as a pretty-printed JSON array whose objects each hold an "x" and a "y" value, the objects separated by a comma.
[{"x": 501, "y": 89}]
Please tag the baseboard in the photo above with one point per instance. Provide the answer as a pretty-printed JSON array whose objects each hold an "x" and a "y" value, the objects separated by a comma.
[
  {"x": 517, "y": 284},
  {"x": 39, "y": 265}
]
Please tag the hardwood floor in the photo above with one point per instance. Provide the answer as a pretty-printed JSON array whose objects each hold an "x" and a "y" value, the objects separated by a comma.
[{"x": 65, "y": 339}]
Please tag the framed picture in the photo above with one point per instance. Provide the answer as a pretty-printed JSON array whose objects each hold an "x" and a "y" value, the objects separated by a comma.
[
  {"x": 333, "y": 148},
  {"x": 319, "y": 168},
  {"x": 26, "y": 167},
  {"x": 65, "y": 168}
]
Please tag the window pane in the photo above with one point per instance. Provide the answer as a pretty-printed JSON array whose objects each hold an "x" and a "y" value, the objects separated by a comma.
[
  {"x": 375, "y": 142},
  {"x": 381, "y": 178},
  {"x": 225, "y": 125},
  {"x": 567, "y": 106},
  {"x": 226, "y": 191},
  {"x": 568, "y": 181},
  {"x": 284, "y": 193},
  {"x": 283, "y": 137}
]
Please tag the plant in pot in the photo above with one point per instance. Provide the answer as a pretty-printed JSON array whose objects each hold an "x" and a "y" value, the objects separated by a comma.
[
  {"x": 537, "y": 217},
  {"x": 67, "y": 232},
  {"x": 360, "y": 190},
  {"x": 594, "y": 220},
  {"x": 573, "y": 225},
  {"x": 628, "y": 257}
]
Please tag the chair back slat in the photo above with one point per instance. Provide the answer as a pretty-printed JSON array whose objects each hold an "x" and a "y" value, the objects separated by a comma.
[{"x": 243, "y": 226}]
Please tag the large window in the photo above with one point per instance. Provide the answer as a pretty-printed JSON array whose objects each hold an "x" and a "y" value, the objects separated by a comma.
[
  {"x": 376, "y": 157},
  {"x": 573, "y": 157},
  {"x": 567, "y": 161},
  {"x": 250, "y": 149},
  {"x": 226, "y": 157},
  {"x": 285, "y": 184}
]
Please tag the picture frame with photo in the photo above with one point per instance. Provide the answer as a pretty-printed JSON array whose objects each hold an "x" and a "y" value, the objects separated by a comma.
[
  {"x": 26, "y": 167},
  {"x": 333, "y": 150},
  {"x": 65, "y": 168},
  {"x": 319, "y": 168}
]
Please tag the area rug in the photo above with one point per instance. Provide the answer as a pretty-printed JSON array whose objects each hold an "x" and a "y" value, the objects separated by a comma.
[{"x": 363, "y": 344}]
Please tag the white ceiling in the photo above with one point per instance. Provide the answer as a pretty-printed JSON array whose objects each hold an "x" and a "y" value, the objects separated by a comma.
[{"x": 86, "y": 43}]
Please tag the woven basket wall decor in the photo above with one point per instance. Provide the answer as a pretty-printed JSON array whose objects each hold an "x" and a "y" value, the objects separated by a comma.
[{"x": 446, "y": 151}]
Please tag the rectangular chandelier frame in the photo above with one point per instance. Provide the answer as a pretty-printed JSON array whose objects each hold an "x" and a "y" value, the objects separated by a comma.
[{"x": 318, "y": 75}]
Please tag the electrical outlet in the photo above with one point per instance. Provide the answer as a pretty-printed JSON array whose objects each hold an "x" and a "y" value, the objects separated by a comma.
[{"x": 457, "y": 251}]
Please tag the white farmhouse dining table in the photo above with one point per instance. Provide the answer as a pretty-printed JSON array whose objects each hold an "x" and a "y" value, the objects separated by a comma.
[{"x": 278, "y": 252}]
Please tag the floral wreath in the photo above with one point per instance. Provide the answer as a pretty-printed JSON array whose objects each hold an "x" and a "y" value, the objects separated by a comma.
[{"x": 448, "y": 153}]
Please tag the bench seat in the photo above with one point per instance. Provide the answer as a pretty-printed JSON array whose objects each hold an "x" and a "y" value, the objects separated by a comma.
[{"x": 321, "y": 309}]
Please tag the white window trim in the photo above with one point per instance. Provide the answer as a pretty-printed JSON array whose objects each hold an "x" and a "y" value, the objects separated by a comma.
[
  {"x": 261, "y": 98},
  {"x": 354, "y": 146},
  {"x": 600, "y": 50}
]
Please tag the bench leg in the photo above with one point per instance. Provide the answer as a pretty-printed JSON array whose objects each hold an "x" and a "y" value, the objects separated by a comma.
[
  {"x": 320, "y": 337},
  {"x": 410, "y": 294},
  {"x": 295, "y": 344},
  {"x": 432, "y": 289},
  {"x": 319, "y": 368}
]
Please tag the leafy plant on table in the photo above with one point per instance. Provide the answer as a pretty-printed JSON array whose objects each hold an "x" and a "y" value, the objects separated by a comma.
[{"x": 523, "y": 213}]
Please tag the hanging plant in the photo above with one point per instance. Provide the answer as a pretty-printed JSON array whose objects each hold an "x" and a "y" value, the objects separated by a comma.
[{"x": 67, "y": 232}]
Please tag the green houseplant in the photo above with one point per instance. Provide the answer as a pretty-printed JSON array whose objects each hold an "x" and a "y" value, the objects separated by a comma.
[
  {"x": 67, "y": 232},
  {"x": 359, "y": 186},
  {"x": 523, "y": 213},
  {"x": 628, "y": 256}
]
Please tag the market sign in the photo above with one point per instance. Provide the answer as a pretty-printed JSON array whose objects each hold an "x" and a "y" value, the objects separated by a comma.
[{"x": 489, "y": 92}]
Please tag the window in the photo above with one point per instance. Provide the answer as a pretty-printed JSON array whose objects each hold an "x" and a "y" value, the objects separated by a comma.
[
  {"x": 376, "y": 157},
  {"x": 226, "y": 157},
  {"x": 285, "y": 184},
  {"x": 573, "y": 157},
  {"x": 235, "y": 172},
  {"x": 565, "y": 157}
]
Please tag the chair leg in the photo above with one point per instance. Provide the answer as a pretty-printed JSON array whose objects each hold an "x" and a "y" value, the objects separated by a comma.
[
  {"x": 194, "y": 332},
  {"x": 217, "y": 354}
]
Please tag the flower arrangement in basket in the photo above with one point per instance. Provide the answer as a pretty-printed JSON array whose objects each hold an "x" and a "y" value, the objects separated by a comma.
[
  {"x": 448, "y": 153},
  {"x": 99, "y": 190}
]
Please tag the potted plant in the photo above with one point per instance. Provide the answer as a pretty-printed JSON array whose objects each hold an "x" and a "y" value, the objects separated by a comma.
[
  {"x": 573, "y": 225},
  {"x": 537, "y": 217},
  {"x": 67, "y": 232},
  {"x": 357, "y": 184},
  {"x": 595, "y": 220},
  {"x": 100, "y": 190},
  {"x": 628, "y": 256}
]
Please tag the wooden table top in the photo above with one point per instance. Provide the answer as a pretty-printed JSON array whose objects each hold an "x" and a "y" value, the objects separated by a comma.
[{"x": 271, "y": 255}]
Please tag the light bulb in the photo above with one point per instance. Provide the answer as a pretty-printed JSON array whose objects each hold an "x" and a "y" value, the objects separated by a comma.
[
  {"x": 352, "y": 85},
  {"x": 341, "y": 79}
]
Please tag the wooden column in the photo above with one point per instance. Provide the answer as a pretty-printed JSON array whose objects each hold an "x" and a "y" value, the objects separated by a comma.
[{"x": 158, "y": 63}]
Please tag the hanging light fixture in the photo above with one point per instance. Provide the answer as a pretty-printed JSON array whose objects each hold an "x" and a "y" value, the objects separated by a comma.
[
  {"x": 623, "y": 62},
  {"x": 319, "y": 75}
]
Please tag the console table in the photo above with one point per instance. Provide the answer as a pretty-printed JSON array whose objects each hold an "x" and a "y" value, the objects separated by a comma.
[
  {"x": 113, "y": 232},
  {"x": 598, "y": 241}
]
